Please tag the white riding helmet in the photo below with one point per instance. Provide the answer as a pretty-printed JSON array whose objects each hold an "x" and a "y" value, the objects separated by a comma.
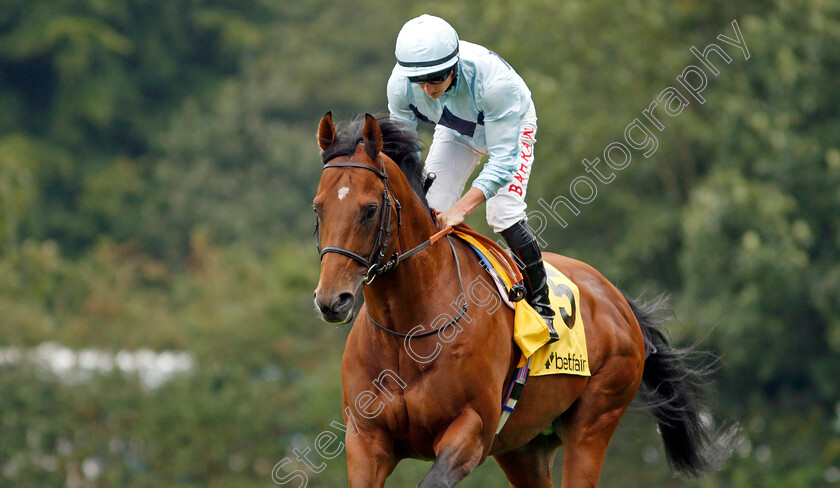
[{"x": 426, "y": 45}]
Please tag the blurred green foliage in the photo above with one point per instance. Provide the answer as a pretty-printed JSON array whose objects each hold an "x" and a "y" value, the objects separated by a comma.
[{"x": 158, "y": 159}]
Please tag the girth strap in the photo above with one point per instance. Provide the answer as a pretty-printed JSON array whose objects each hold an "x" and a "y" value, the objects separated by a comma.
[{"x": 513, "y": 394}]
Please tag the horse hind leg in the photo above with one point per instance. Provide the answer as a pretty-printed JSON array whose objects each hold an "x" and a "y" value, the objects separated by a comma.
[
  {"x": 587, "y": 428},
  {"x": 530, "y": 465},
  {"x": 589, "y": 424}
]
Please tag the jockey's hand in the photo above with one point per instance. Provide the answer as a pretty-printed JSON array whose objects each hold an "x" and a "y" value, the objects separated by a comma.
[
  {"x": 450, "y": 218},
  {"x": 456, "y": 215}
]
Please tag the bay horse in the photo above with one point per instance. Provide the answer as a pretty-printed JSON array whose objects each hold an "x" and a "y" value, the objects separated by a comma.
[{"x": 373, "y": 229}]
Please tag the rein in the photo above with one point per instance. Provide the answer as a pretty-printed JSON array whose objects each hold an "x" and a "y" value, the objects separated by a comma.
[
  {"x": 460, "y": 283},
  {"x": 373, "y": 263}
]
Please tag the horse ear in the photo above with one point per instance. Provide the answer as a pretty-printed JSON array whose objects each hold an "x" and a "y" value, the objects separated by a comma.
[
  {"x": 372, "y": 136},
  {"x": 326, "y": 131}
]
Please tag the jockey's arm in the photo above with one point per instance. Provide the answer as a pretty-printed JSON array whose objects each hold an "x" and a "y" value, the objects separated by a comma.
[
  {"x": 503, "y": 107},
  {"x": 463, "y": 207}
]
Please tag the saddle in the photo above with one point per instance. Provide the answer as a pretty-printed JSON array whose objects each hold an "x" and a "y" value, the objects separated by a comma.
[
  {"x": 498, "y": 262},
  {"x": 530, "y": 330}
]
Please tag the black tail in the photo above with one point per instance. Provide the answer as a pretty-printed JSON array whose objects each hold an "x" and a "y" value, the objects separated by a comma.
[{"x": 672, "y": 389}]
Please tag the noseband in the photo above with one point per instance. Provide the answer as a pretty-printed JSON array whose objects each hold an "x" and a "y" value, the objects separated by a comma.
[{"x": 374, "y": 262}]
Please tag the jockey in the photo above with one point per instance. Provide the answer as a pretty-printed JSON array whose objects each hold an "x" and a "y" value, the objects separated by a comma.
[{"x": 479, "y": 106}]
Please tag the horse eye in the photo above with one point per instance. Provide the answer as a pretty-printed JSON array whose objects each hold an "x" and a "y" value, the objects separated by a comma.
[{"x": 370, "y": 211}]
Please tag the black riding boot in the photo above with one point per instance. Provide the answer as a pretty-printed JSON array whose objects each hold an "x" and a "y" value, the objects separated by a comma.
[{"x": 524, "y": 246}]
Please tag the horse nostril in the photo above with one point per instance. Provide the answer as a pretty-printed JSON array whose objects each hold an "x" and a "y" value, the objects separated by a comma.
[
  {"x": 343, "y": 303},
  {"x": 321, "y": 305}
]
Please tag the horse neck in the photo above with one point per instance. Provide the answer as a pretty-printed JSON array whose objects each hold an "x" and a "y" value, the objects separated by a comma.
[{"x": 405, "y": 294}]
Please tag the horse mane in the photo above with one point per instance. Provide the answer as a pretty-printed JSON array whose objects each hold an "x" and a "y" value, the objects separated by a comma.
[{"x": 399, "y": 142}]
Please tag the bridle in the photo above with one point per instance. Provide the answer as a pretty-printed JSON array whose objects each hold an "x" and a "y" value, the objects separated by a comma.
[{"x": 374, "y": 262}]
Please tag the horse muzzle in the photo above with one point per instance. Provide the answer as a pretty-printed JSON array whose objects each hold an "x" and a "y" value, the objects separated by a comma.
[{"x": 335, "y": 309}]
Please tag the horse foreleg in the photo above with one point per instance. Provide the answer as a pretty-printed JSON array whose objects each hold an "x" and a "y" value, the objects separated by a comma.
[
  {"x": 369, "y": 460},
  {"x": 458, "y": 451}
]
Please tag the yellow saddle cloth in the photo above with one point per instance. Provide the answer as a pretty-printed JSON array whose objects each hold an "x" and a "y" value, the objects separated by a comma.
[{"x": 566, "y": 356}]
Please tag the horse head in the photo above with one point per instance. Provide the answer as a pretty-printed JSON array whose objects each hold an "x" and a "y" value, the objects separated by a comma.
[{"x": 358, "y": 215}]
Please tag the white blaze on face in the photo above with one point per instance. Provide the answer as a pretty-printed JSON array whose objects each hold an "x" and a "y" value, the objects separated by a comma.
[{"x": 342, "y": 192}]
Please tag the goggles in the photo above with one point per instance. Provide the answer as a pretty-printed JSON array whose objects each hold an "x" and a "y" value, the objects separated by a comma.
[{"x": 433, "y": 78}]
